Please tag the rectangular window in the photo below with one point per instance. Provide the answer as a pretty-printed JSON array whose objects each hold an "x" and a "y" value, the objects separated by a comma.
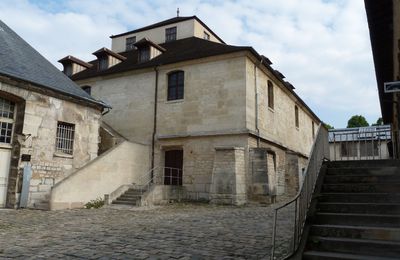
[
  {"x": 206, "y": 36},
  {"x": 313, "y": 129},
  {"x": 175, "y": 85},
  {"x": 65, "y": 138},
  {"x": 348, "y": 149},
  {"x": 5, "y": 132},
  {"x": 170, "y": 34},
  {"x": 103, "y": 63},
  {"x": 369, "y": 148},
  {"x": 6, "y": 108},
  {"x": 296, "y": 116},
  {"x": 144, "y": 54},
  {"x": 270, "y": 95},
  {"x": 130, "y": 43}
]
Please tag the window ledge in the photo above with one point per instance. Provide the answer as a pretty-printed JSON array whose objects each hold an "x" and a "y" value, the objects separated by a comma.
[
  {"x": 63, "y": 155},
  {"x": 5, "y": 146},
  {"x": 297, "y": 128},
  {"x": 174, "y": 101},
  {"x": 271, "y": 109}
]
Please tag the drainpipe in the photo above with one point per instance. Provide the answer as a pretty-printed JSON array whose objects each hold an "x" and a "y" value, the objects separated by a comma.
[{"x": 154, "y": 121}]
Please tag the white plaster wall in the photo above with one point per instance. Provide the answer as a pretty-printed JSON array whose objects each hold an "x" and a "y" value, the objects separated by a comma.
[
  {"x": 185, "y": 29},
  {"x": 199, "y": 32},
  {"x": 122, "y": 165}
]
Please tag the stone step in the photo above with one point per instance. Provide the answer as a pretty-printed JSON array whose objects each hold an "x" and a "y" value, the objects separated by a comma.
[
  {"x": 369, "y": 208},
  {"x": 359, "y": 197},
  {"x": 355, "y": 246},
  {"x": 133, "y": 192},
  {"x": 353, "y": 219},
  {"x": 371, "y": 178},
  {"x": 323, "y": 255},
  {"x": 364, "y": 171},
  {"x": 361, "y": 232},
  {"x": 363, "y": 163},
  {"x": 375, "y": 187},
  {"x": 131, "y": 196},
  {"x": 123, "y": 202}
]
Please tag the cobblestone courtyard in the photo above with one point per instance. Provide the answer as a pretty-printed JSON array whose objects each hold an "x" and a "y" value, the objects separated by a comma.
[{"x": 179, "y": 231}]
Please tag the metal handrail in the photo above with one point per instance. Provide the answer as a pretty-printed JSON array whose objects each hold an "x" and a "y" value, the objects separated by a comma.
[
  {"x": 153, "y": 176},
  {"x": 302, "y": 201}
]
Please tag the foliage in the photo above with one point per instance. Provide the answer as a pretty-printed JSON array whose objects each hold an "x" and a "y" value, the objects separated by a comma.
[
  {"x": 328, "y": 126},
  {"x": 378, "y": 122},
  {"x": 357, "y": 121},
  {"x": 97, "y": 203}
]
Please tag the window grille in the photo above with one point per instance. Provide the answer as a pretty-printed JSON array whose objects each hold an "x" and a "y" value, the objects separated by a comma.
[
  {"x": 170, "y": 34},
  {"x": 130, "y": 43},
  {"x": 5, "y": 132},
  {"x": 175, "y": 85},
  {"x": 65, "y": 137},
  {"x": 6, "y": 108}
]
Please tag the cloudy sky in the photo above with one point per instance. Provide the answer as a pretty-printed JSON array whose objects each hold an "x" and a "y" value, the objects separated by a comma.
[{"x": 321, "y": 46}]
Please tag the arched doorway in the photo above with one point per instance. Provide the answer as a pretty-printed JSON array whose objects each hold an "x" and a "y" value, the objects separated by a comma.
[{"x": 7, "y": 120}]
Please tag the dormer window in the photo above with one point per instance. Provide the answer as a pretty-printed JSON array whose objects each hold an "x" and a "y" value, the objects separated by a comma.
[
  {"x": 130, "y": 43},
  {"x": 68, "y": 70},
  {"x": 103, "y": 63},
  {"x": 73, "y": 65},
  {"x": 144, "y": 54},
  {"x": 170, "y": 34}
]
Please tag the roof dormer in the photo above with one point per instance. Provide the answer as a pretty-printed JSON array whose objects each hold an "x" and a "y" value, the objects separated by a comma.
[
  {"x": 107, "y": 58},
  {"x": 148, "y": 50},
  {"x": 73, "y": 65}
]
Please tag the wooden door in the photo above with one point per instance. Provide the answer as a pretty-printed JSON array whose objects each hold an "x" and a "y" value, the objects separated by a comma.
[{"x": 173, "y": 167}]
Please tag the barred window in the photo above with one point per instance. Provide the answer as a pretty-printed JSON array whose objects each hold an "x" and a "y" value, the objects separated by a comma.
[
  {"x": 170, "y": 34},
  {"x": 65, "y": 137},
  {"x": 5, "y": 132},
  {"x": 6, "y": 108},
  {"x": 130, "y": 43}
]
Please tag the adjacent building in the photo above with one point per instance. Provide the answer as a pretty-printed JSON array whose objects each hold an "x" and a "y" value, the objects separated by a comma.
[
  {"x": 384, "y": 28},
  {"x": 49, "y": 127},
  {"x": 218, "y": 120}
]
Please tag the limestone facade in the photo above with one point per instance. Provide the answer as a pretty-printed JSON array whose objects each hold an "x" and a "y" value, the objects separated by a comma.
[{"x": 35, "y": 133}]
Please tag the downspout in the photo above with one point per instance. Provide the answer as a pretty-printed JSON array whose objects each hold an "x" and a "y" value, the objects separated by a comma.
[
  {"x": 256, "y": 101},
  {"x": 153, "y": 141}
]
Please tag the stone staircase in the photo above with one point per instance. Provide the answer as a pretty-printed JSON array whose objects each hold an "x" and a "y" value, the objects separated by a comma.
[
  {"x": 357, "y": 212},
  {"x": 131, "y": 197}
]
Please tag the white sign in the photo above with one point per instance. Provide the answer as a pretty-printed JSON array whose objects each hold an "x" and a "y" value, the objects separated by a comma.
[{"x": 392, "y": 86}]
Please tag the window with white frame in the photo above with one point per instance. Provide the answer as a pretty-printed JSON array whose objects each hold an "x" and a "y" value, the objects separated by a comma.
[
  {"x": 65, "y": 138},
  {"x": 6, "y": 120}
]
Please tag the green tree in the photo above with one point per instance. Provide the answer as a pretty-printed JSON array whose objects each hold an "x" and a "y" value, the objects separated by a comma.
[
  {"x": 378, "y": 122},
  {"x": 328, "y": 126},
  {"x": 357, "y": 121}
]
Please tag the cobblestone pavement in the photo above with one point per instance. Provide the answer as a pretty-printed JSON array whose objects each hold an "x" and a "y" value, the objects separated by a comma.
[{"x": 177, "y": 231}]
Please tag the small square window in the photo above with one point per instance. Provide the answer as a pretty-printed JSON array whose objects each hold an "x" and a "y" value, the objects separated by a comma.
[
  {"x": 170, "y": 34},
  {"x": 65, "y": 138},
  {"x": 206, "y": 36},
  {"x": 130, "y": 43}
]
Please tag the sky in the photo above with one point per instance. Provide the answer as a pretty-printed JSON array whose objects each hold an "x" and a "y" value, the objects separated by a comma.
[{"x": 321, "y": 46}]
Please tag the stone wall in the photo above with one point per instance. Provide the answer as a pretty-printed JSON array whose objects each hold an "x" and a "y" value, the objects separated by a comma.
[{"x": 38, "y": 138}]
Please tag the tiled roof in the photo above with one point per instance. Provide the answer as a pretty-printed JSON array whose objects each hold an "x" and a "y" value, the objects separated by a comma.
[{"x": 21, "y": 61}]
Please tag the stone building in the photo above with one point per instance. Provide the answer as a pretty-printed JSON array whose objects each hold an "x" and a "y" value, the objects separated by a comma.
[
  {"x": 49, "y": 127},
  {"x": 219, "y": 121}
]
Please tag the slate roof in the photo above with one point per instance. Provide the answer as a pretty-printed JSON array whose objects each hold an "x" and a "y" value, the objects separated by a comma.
[
  {"x": 176, "y": 51},
  {"x": 167, "y": 22},
  {"x": 182, "y": 50},
  {"x": 381, "y": 132},
  {"x": 21, "y": 61}
]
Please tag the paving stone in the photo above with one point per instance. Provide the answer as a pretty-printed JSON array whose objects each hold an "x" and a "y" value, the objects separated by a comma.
[{"x": 177, "y": 231}]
